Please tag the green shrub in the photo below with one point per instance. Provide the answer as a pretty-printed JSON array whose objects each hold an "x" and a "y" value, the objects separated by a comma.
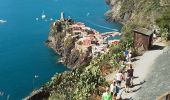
[{"x": 164, "y": 23}]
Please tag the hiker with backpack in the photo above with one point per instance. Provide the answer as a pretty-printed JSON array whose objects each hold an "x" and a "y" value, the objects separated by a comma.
[{"x": 114, "y": 89}]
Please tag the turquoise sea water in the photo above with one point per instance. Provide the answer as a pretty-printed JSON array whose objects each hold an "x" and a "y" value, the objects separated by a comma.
[{"x": 22, "y": 51}]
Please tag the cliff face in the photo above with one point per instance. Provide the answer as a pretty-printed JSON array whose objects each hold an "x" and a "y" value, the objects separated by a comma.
[
  {"x": 139, "y": 11},
  {"x": 62, "y": 40}
]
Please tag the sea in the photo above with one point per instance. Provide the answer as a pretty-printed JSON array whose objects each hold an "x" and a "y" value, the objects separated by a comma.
[{"x": 26, "y": 63}]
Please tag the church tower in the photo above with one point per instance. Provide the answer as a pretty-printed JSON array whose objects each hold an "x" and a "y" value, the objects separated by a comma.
[{"x": 62, "y": 16}]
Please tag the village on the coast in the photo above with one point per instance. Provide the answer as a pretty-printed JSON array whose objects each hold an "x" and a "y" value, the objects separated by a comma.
[{"x": 89, "y": 38}]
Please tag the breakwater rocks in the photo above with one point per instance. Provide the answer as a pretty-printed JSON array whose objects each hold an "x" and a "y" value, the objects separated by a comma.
[{"x": 62, "y": 39}]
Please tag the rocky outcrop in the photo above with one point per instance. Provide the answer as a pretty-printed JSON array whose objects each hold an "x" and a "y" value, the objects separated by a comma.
[
  {"x": 38, "y": 95},
  {"x": 62, "y": 40},
  {"x": 116, "y": 12},
  {"x": 77, "y": 58},
  {"x": 113, "y": 13},
  {"x": 143, "y": 11}
]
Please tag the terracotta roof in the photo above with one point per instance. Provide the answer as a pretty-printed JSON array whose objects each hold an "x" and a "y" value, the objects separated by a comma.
[{"x": 143, "y": 31}]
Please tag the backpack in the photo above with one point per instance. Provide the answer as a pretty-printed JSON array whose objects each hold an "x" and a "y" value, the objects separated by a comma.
[{"x": 116, "y": 89}]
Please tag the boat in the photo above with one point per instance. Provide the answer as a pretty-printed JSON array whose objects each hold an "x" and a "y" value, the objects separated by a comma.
[
  {"x": 43, "y": 16},
  {"x": 36, "y": 76},
  {"x": 51, "y": 19},
  {"x": 88, "y": 14},
  {"x": 36, "y": 18},
  {"x": 2, "y": 21}
]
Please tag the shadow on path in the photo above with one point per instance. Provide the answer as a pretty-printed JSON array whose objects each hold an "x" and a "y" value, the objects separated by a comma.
[
  {"x": 134, "y": 59},
  {"x": 157, "y": 47},
  {"x": 135, "y": 90},
  {"x": 138, "y": 84},
  {"x": 134, "y": 77}
]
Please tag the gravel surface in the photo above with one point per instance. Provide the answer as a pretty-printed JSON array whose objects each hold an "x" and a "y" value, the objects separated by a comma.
[
  {"x": 157, "y": 80},
  {"x": 152, "y": 72}
]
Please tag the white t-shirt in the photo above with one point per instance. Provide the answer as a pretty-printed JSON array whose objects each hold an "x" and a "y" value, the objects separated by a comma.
[{"x": 119, "y": 76}]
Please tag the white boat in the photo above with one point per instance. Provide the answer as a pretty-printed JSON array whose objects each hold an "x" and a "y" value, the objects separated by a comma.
[
  {"x": 51, "y": 19},
  {"x": 88, "y": 14},
  {"x": 43, "y": 16},
  {"x": 36, "y": 76},
  {"x": 36, "y": 18},
  {"x": 2, "y": 21}
]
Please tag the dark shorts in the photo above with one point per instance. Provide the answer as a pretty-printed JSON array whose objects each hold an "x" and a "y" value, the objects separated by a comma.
[{"x": 118, "y": 82}]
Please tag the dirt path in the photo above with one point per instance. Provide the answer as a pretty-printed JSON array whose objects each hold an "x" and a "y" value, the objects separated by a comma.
[
  {"x": 147, "y": 73},
  {"x": 157, "y": 77}
]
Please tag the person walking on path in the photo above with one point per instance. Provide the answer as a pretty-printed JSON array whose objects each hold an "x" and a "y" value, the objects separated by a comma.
[
  {"x": 126, "y": 52},
  {"x": 114, "y": 89},
  {"x": 119, "y": 77},
  {"x": 107, "y": 95},
  {"x": 127, "y": 84},
  {"x": 129, "y": 57},
  {"x": 130, "y": 74}
]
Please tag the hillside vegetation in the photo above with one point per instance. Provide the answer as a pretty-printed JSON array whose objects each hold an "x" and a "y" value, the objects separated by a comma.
[
  {"x": 151, "y": 14},
  {"x": 86, "y": 82}
]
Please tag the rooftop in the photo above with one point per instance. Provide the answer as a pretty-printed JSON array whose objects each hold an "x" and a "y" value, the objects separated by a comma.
[{"x": 143, "y": 31}]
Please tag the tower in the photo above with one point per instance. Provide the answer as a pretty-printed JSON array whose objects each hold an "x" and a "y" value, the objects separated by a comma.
[{"x": 62, "y": 16}]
